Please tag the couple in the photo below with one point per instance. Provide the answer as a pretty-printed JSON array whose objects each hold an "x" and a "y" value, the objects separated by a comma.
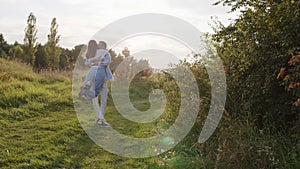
[{"x": 98, "y": 58}]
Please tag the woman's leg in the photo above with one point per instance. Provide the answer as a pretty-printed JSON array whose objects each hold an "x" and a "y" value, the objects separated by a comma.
[
  {"x": 99, "y": 80},
  {"x": 88, "y": 81},
  {"x": 90, "y": 77}
]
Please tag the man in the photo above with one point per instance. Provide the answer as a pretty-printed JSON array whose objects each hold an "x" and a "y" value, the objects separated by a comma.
[{"x": 103, "y": 74}]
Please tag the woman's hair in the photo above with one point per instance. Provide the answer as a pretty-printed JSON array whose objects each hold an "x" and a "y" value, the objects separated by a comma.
[{"x": 92, "y": 48}]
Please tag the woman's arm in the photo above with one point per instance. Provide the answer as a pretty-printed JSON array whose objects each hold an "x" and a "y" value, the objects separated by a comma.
[{"x": 99, "y": 56}]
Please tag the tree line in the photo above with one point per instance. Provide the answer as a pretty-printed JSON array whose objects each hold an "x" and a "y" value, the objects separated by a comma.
[{"x": 50, "y": 56}]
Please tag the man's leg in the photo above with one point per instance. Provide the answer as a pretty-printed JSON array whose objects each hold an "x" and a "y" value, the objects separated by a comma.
[
  {"x": 99, "y": 80},
  {"x": 104, "y": 93},
  {"x": 97, "y": 107}
]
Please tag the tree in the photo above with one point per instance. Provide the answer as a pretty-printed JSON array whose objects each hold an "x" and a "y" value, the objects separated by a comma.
[
  {"x": 64, "y": 59},
  {"x": 128, "y": 64},
  {"x": 115, "y": 60},
  {"x": 126, "y": 52},
  {"x": 4, "y": 47},
  {"x": 16, "y": 52},
  {"x": 41, "y": 60},
  {"x": 254, "y": 47},
  {"x": 52, "y": 49},
  {"x": 30, "y": 39},
  {"x": 77, "y": 52}
]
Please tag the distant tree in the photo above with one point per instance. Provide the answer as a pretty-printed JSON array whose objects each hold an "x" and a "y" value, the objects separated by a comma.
[
  {"x": 126, "y": 52},
  {"x": 75, "y": 52},
  {"x": 113, "y": 54},
  {"x": 128, "y": 64},
  {"x": 115, "y": 60},
  {"x": 16, "y": 43},
  {"x": 64, "y": 59},
  {"x": 41, "y": 60},
  {"x": 4, "y": 47},
  {"x": 142, "y": 64},
  {"x": 16, "y": 52},
  {"x": 30, "y": 39},
  {"x": 52, "y": 49}
]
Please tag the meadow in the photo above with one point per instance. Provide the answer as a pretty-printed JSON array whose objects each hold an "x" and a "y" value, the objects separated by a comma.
[
  {"x": 39, "y": 126},
  {"x": 40, "y": 129}
]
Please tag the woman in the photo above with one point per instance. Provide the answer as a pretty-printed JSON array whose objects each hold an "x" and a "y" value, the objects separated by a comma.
[{"x": 88, "y": 89}]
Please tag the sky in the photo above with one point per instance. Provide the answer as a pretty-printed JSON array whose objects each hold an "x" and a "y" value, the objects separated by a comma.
[{"x": 79, "y": 20}]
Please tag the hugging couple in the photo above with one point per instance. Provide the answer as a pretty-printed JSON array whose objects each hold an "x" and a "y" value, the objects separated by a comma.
[{"x": 95, "y": 82}]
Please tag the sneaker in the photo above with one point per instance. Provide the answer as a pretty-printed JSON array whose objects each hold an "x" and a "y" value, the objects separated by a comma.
[
  {"x": 103, "y": 123},
  {"x": 88, "y": 84},
  {"x": 82, "y": 91},
  {"x": 89, "y": 95}
]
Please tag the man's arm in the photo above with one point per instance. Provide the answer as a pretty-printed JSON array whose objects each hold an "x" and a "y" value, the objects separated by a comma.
[{"x": 106, "y": 60}]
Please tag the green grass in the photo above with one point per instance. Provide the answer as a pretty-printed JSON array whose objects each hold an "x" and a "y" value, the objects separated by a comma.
[{"x": 39, "y": 127}]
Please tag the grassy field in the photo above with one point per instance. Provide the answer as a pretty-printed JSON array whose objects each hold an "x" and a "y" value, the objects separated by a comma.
[{"x": 39, "y": 127}]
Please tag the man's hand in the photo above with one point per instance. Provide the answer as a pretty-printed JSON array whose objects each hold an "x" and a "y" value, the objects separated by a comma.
[
  {"x": 100, "y": 59},
  {"x": 87, "y": 62}
]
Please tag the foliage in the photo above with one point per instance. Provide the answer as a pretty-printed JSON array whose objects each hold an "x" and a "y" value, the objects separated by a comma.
[
  {"x": 15, "y": 52},
  {"x": 52, "y": 49},
  {"x": 260, "y": 129},
  {"x": 290, "y": 76},
  {"x": 128, "y": 64},
  {"x": 115, "y": 60},
  {"x": 64, "y": 61},
  {"x": 253, "y": 49},
  {"x": 4, "y": 47},
  {"x": 30, "y": 39},
  {"x": 41, "y": 59}
]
